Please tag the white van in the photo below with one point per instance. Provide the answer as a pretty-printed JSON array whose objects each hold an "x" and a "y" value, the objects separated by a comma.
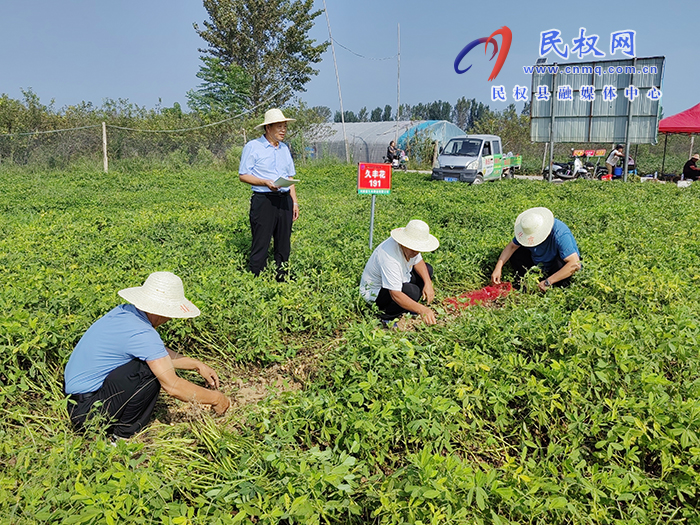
[{"x": 475, "y": 159}]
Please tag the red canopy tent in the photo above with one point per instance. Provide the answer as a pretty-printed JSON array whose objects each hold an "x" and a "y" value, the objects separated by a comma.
[{"x": 686, "y": 122}]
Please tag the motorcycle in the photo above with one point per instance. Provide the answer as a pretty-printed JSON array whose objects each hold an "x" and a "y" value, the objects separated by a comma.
[
  {"x": 398, "y": 163},
  {"x": 602, "y": 171},
  {"x": 569, "y": 170}
]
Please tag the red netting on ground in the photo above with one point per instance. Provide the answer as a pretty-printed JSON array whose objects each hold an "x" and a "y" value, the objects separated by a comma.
[{"x": 485, "y": 295}]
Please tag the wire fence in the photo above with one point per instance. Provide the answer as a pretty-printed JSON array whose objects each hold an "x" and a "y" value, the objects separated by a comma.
[
  {"x": 129, "y": 132},
  {"x": 59, "y": 148}
]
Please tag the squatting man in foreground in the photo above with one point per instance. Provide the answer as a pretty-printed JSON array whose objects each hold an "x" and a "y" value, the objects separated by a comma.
[
  {"x": 396, "y": 277},
  {"x": 273, "y": 210},
  {"x": 121, "y": 361},
  {"x": 540, "y": 239}
]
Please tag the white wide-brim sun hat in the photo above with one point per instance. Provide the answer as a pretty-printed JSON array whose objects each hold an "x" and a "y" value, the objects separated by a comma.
[
  {"x": 416, "y": 236},
  {"x": 274, "y": 115},
  {"x": 533, "y": 226},
  {"x": 161, "y": 294}
]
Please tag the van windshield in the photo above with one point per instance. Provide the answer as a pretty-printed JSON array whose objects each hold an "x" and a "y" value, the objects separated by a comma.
[{"x": 463, "y": 147}]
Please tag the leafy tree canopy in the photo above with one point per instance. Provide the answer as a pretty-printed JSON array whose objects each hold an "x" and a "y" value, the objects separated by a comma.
[
  {"x": 224, "y": 88},
  {"x": 269, "y": 40}
]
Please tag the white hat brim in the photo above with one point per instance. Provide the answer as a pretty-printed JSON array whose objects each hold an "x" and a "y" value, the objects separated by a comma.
[
  {"x": 542, "y": 232},
  {"x": 180, "y": 310},
  {"x": 429, "y": 245},
  {"x": 275, "y": 121}
]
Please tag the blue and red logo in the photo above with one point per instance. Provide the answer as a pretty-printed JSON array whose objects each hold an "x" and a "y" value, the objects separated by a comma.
[{"x": 506, "y": 36}]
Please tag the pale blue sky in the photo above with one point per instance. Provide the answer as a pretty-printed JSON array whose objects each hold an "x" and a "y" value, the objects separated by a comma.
[{"x": 75, "y": 50}]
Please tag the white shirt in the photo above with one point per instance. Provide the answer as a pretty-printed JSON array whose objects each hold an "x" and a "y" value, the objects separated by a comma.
[
  {"x": 386, "y": 268},
  {"x": 612, "y": 158}
]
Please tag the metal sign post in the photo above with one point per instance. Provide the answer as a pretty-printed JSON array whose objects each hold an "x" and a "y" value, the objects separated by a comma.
[{"x": 373, "y": 179}]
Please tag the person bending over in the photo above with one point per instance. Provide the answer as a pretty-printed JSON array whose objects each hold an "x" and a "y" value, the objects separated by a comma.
[
  {"x": 120, "y": 364},
  {"x": 614, "y": 156},
  {"x": 396, "y": 277},
  {"x": 540, "y": 239}
]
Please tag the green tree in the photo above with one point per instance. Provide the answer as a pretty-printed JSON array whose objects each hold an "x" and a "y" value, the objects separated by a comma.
[
  {"x": 348, "y": 116},
  {"x": 323, "y": 112},
  {"x": 10, "y": 112},
  {"x": 224, "y": 88},
  {"x": 269, "y": 40},
  {"x": 386, "y": 116},
  {"x": 376, "y": 115},
  {"x": 439, "y": 110},
  {"x": 404, "y": 112},
  {"x": 477, "y": 112},
  {"x": 362, "y": 115},
  {"x": 460, "y": 113},
  {"x": 35, "y": 112},
  {"x": 511, "y": 127}
]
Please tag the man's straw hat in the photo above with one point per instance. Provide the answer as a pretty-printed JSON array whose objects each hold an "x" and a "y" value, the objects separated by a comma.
[
  {"x": 161, "y": 294},
  {"x": 696, "y": 156},
  {"x": 533, "y": 226},
  {"x": 273, "y": 116},
  {"x": 416, "y": 236}
]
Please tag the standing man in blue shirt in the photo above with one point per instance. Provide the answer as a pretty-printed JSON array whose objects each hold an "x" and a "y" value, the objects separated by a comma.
[
  {"x": 272, "y": 209},
  {"x": 121, "y": 361},
  {"x": 540, "y": 239}
]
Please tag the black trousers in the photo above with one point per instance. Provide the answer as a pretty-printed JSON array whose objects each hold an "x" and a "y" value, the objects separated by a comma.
[
  {"x": 271, "y": 217},
  {"x": 127, "y": 398},
  {"x": 388, "y": 308},
  {"x": 521, "y": 261}
]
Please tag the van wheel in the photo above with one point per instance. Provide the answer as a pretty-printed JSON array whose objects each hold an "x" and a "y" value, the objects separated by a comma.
[{"x": 478, "y": 180}]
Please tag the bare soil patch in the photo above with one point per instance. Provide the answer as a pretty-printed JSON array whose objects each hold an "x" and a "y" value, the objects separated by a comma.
[{"x": 244, "y": 385}]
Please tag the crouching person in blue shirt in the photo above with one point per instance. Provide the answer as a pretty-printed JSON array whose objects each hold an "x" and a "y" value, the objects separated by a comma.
[
  {"x": 121, "y": 361},
  {"x": 540, "y": 239}
]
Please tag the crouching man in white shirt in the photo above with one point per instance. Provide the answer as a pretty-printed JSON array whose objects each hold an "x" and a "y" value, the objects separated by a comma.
[{"x": 396, "y": 277}]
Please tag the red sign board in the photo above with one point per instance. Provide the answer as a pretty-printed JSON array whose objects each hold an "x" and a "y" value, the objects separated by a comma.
[
  {"x": 373, "y": 178},
  {"x": 590, "y": 153}
]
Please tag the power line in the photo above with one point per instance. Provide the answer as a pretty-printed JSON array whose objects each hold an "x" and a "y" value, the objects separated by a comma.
[
  {"x": 46, "y": 132},
  {"x": 359, "y": 55},
  {"x": 198, "y": 127}
]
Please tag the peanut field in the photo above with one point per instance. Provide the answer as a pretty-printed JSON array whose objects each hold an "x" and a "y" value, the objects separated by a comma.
[{"x": 581, "y": 405}]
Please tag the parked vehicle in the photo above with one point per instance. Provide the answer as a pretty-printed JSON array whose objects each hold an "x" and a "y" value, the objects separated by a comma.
[
  {"x": 570, "y": 170},
  {"x": 400, "y": 163},
  {"x": 475, "y": 159},
  {"x": 602, "y": 171}
]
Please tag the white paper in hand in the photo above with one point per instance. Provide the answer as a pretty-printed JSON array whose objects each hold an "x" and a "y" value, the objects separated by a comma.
[{"x": 282, "y": 182}]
